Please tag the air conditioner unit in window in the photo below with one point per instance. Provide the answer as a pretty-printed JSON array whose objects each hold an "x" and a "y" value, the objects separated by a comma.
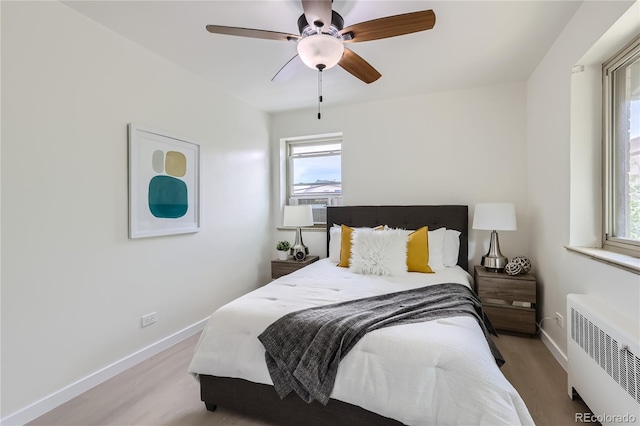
[
  {"x": 318, "y": 206},
  {"x": 319, "y": 214}
]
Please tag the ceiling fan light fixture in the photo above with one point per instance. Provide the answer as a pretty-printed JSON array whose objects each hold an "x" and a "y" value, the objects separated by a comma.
[{"x": 320, "y": 51}]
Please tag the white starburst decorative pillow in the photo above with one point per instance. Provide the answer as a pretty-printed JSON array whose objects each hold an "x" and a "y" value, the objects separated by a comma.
[{"x": 379, "y": 252}]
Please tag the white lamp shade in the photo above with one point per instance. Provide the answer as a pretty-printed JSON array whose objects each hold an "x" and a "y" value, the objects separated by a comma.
[
  {"x": 297, "y": 216},
  {"x": 495, "y": 217},
  {"x": 320, "y": 49}
]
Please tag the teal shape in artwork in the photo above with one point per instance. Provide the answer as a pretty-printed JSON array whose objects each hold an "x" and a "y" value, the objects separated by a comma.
[{"x": 168, "y": 197}]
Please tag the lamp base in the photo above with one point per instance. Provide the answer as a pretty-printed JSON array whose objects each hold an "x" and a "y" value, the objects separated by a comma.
[
  {"x": 299, "y": 251},
  {"x": 494, "y": 264},
  {"x": 494, "y": 261}
]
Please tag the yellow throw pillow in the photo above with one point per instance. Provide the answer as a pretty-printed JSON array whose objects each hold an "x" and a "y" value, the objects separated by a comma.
[
  {"x": 345, "y": 244},
  {"x": 418, "y": 251}
]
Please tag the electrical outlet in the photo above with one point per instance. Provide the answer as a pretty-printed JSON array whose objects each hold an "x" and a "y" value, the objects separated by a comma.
[
  {"x": 560, "y": 320},
  {"x": 149, "y": 319}
]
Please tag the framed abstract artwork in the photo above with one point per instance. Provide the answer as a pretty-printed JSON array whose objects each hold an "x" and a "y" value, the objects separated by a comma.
[{"x": 164, "y": 184}]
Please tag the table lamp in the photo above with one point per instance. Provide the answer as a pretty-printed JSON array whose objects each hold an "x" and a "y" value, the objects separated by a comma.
[
  {"x": 494, "y": 217},
  {"x": 298, "y": 216}
]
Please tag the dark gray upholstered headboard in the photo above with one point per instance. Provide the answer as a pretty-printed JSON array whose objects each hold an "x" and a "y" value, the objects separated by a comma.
[{"x": 406, "y": 217}]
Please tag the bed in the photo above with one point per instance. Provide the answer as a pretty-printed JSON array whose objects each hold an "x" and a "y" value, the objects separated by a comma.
[{"x": 434, "y": 372}]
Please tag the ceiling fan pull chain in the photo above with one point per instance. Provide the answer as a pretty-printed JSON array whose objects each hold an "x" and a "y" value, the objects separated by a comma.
[{"x": 319, "y": 92}]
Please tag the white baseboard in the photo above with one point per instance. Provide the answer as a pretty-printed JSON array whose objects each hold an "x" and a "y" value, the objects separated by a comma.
[
  {"x": 63, "y": 395},
  {"x": 554, "y": 349}
]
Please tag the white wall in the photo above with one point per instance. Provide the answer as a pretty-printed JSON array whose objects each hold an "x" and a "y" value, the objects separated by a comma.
[
  {"x": 550, "y": 156},
  {"x": 73, "y": 285},
  {"x": 460, "y": 147}
]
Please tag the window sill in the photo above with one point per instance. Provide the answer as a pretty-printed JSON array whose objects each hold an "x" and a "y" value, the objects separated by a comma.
[
  {"x": 315, "y": 228},
  {"x": 623, "y": 261}
]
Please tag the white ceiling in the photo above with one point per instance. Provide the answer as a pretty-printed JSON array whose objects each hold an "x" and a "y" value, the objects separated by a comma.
[{"x": 473, "y": 44}]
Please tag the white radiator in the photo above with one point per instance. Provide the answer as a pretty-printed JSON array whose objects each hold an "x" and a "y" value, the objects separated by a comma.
[{"x": 604, "y": 364}]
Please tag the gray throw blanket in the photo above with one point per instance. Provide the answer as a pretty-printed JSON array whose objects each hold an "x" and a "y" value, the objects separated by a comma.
[{"x": 304, "y": 348}]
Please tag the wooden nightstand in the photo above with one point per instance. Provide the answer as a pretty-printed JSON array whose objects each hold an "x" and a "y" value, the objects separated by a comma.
[
  {"x": 284, "y": 267},
  {"x": 498, "y": 291}
]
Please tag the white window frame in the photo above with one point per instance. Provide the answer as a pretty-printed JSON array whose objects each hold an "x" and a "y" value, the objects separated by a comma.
[
  {"x": 331, "y": 199},
  {"x": 610, "y": 242}
]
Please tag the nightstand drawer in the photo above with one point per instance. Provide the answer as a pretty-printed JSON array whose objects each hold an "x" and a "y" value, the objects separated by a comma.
[
  {"x": 511, "y": 318},
  {"x": 506, "y": 289}
]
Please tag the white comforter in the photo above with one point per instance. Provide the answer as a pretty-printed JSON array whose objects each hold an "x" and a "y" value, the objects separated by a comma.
[{"x": 437, "y": 372}]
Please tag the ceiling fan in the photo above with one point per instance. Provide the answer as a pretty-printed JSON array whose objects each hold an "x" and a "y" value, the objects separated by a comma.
[{"x": 322, "y": 39}]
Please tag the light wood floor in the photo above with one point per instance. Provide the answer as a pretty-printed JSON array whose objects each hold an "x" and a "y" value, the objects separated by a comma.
[{"x": 159, "y": 391}]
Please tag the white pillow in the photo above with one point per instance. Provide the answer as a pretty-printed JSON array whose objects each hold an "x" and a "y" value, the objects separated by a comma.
[
  {"x": 335, "y": 242},
  {"x": 335, "y": 236},
  {"x": 379, "y": 252},
  {"x": 436, "y": 246},
  {"x": 451, "y": 247}
]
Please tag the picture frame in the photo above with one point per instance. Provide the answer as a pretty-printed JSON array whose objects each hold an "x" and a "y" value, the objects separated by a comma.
[{"x": 164, "y": 183}]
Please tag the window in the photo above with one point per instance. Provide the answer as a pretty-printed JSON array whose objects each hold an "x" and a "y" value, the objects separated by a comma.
[
  {"x": 621, "y": 97},
  {"x": 314, "y": 173}
]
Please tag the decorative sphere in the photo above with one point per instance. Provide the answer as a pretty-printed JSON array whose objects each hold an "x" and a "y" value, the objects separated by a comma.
[
  {"x": 523, "y": 262},
  {"x": 513, "y": 268}
]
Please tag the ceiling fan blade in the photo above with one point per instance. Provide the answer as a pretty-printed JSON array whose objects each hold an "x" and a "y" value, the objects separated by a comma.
[
  {"x": 358, "y": 67},
  {"x": 292, "y": 66},
  {"x": 316, "y": 11},
  {"x": 248, "y": 32},
  {"x": 390, "y": 26}
]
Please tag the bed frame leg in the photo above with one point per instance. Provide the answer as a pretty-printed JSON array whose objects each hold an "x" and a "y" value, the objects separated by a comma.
[{"x": 210, "y": 406}]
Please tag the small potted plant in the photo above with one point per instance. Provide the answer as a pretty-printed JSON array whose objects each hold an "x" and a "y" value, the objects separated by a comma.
[{"x": 283, "y": 249}]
